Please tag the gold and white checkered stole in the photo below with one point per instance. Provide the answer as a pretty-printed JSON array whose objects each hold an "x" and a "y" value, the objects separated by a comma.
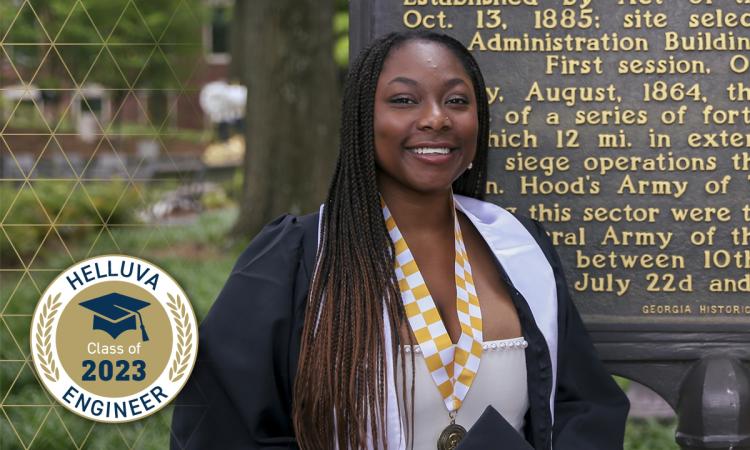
[{"x": 453, "y": 367}]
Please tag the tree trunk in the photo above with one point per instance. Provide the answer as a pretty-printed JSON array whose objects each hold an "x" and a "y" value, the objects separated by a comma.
[
  {"x": 157, "y": 108},
  {"x": 292, "y": 108},
  {"x": 238, "y": 64}
]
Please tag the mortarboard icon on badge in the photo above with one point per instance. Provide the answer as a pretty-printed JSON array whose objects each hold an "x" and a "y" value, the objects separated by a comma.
[{"x": 117, "y": 313}]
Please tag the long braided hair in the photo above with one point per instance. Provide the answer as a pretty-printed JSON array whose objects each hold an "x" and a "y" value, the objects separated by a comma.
[{"x": 340, "y": 389}]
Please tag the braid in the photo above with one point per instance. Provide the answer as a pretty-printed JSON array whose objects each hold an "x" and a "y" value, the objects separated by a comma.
[{"x": 340, "y": 390}]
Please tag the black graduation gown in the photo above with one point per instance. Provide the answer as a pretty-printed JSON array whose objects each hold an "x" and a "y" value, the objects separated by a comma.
[{"x": 240, "y": 393}]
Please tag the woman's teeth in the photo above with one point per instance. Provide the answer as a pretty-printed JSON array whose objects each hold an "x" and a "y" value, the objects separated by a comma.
[{"x": 430, "y": 151}]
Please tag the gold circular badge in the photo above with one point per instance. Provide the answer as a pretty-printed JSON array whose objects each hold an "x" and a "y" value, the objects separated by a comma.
[{"x": 114, "y": 338}]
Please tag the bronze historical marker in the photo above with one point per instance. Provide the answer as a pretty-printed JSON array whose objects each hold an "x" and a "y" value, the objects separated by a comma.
[{"x": 624, "y": 126}]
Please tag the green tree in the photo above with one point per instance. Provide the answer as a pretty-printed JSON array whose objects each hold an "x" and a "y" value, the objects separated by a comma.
[{"x": 120, "y": 44}]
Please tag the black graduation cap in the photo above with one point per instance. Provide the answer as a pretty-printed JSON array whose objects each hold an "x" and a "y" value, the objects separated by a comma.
[{"x": 116, "y": 313}]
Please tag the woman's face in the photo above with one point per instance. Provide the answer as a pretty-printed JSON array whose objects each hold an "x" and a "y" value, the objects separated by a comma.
[{"x": 425, "y": 118}]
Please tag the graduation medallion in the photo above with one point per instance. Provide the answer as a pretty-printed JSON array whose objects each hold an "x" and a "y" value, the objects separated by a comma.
[
  {"x": 451, "y": 437},
  {"x": 452, "y": 366},
  {"x": 114, "y": 338}
]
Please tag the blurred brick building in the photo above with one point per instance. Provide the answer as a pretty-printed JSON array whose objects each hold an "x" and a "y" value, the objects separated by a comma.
[{"x": 183, "y": 107}]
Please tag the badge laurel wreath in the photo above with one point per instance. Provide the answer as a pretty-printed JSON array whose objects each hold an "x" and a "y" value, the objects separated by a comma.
[
  {"x": 43, "y": 338},
  {"x": 184, "y": 338}
]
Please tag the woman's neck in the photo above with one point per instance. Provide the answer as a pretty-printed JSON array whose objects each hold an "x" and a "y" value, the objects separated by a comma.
[{"x": 420, "y": 212}]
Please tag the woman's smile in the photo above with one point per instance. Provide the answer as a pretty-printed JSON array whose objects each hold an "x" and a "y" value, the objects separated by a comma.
[{"x": 433, "y": 153}]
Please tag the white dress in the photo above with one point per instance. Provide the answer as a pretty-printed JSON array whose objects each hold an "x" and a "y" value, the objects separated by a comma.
[{"x": 500, "y": 382}]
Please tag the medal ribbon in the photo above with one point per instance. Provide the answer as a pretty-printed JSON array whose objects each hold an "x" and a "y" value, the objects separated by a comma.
[{"x": 453, "y": 367}]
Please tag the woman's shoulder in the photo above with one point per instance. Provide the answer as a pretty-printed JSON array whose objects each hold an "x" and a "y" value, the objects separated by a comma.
[
  {"x": 503, "y": 220},
  {"x": 512, "y": 231},
  {"x": 240, "y": 391},
  {"x": 270, "y": 276},
  {"x": 286, "y": 239}
]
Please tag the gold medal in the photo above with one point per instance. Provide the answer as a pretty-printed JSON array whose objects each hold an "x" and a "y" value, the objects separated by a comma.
[{"x": 451, "y": 435}]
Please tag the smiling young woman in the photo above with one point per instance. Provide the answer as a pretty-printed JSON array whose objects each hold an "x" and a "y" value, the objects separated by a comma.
[{"x": 408, "y": 313}]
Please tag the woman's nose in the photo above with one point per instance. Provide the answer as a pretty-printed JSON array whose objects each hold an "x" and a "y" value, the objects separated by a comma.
[{"x": 434, "y": 117}]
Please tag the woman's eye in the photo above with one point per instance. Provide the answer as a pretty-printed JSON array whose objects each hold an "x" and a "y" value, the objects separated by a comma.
[
  {"x": 458, "y": 100},
  {"x": 402, "y": 100}
]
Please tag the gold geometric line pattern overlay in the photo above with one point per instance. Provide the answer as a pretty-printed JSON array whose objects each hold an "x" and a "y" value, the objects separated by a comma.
[{"x": 91, "y": 92}]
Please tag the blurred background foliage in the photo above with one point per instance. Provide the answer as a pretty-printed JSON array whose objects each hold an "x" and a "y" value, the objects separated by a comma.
[{"x": 119, "y": 44}]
